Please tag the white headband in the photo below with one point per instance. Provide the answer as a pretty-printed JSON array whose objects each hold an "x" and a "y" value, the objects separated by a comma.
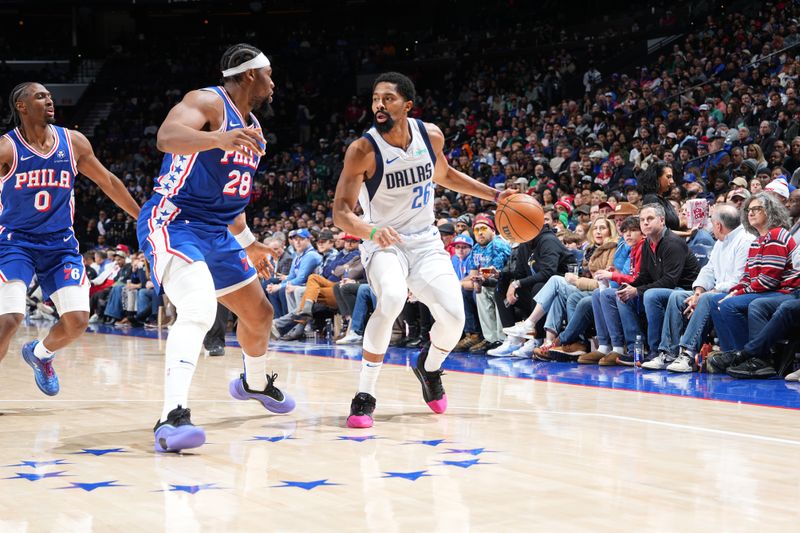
[{"x": 259, "y": 61}]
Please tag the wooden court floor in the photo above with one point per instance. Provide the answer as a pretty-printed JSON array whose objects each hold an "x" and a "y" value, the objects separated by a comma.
[{"x": 509, "y": 455}]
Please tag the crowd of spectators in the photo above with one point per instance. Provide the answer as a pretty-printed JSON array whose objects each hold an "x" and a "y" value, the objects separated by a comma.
[{"x": 710, "y": 123}]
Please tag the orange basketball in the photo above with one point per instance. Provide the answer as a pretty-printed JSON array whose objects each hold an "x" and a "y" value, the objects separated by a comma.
[{"x": 519, "y": 218}]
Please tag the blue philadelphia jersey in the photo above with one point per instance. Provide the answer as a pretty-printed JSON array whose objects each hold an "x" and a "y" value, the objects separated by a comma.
[
  {"x": 36, "y": 196},
  {"x": 197, "y": 196},
  {"x": 213, "y": 186}
]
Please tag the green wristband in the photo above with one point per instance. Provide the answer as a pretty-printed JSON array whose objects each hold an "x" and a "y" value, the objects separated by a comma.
[{"x": 372, "y": 233}]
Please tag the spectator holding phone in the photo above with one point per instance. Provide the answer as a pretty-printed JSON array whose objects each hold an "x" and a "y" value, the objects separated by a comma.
[{"x": 489, "y": 255}]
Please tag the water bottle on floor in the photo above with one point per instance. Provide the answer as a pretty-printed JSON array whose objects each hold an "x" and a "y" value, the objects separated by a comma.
[
  {"x": 328, "y": 330},
  {"x": 638, "y": 351}
]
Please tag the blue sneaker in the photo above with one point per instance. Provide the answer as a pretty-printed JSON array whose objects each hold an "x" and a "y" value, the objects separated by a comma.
[
  {"x": 43, "y": 371},
  {"x": 177, "y": 432},
  {"x": 271, "y": 397}
]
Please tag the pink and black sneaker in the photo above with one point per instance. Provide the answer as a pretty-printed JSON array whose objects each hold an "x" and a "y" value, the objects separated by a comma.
[
  {"x": 361, "y": 409},
  {"x": 432, "y": 389}
]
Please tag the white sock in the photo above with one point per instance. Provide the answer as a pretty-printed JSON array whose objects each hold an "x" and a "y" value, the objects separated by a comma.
[
  {"x": 41, "y": 352},
  {"x": 529, "y": 324},
  {"x": 618, "y": 349},
  {"x": 604, "y": 349},
  {"x": 436, "y": 357},
  {"x": 255, "y": 372},
  {"x": 183, "y": 350},
  {"x": 369, "y": 376}
]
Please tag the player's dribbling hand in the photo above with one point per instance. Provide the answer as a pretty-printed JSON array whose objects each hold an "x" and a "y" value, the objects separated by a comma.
[
  {"x": 386, "y": 237},
  {"x": 243, "y": 138},
  {"x": 506, "y": 193},
  {"x": 259, "y": 254}
]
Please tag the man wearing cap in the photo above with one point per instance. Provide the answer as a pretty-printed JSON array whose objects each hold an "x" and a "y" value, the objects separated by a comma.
[
  {"x": 738, "y": 196},
  {"x": 739, "y": 182},
  {"x": 463, "y": 265},
  {"x": 522, "y": 185},
  {"x": 464, "y": 224},
  {"x": 447, "y": 232},
  {"x": 622, "y": 211},
  {"x": 327, "y": 250},
  {"x": 605, "y": 209},
  {"x": 582, "y": 214},
  {"x": 563, "y": 211},
  {"x": 779, "y": 188},
  {"x": 306, "y": 260},
  {"x": 489, "y": 256},
  {"x": 320, "y": 288}
]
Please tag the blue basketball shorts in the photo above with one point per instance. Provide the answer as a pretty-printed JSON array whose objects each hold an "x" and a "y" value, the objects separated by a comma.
[
  {"x": 164, "y": 234},
  {"x": 53, "y": 257}
]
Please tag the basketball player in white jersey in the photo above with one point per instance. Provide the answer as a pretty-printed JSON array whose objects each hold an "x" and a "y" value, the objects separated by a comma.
[{"x": 391, "y": 172}]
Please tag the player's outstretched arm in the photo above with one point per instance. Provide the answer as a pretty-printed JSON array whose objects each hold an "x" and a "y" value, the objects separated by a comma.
[
  {"x": 92, "y": 168},
  {"x": 448, "y": 177},
  {"x": 359, "y": 162},
  {"x": 192, "y": 126}
]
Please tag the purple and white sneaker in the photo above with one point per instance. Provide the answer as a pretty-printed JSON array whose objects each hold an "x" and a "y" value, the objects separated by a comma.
[
  {"x": 271, "y": 397},
  {"x": 177, "y": 432}
]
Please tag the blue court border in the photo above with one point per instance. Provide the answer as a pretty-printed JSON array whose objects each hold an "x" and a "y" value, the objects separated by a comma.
[{"x": 768, "y": 393}]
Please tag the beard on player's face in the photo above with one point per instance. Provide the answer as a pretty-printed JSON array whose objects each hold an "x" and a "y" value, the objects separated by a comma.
[{"x": 385, "y": 126}]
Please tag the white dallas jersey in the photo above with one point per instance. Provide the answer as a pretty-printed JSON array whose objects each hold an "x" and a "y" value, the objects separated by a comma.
[{"x": 400, "y": 193}]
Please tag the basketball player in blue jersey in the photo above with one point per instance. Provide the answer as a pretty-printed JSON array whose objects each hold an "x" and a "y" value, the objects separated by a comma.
[
  {"x": 194, "y": 233},
  {"x": 391, "y": 172},
  {"x": 38, "y": 166}
]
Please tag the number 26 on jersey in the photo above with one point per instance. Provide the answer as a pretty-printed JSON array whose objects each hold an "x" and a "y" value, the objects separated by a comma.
[{"x": 422, "y": 195}]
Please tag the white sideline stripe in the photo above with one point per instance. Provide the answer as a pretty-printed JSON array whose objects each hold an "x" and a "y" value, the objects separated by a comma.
[{"x": 672, "y": 425}]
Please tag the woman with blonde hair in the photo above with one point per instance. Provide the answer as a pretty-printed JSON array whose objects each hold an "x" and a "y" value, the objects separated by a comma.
[
  {"x": 754, "y": 152},
  {"x": 552, "y": 300}
]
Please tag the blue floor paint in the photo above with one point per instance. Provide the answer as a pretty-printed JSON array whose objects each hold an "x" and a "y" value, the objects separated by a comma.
[{"x": 773, "y": 392}]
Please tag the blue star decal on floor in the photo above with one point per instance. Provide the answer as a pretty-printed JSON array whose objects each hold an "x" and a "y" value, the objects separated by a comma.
[
  {"x": 38, "y": 464},
  {"x": 193, "y": 489},
  {"x": 412, "y": 476},
  {"x": 100, "y": 451},
  {"x": 306, "y": 485},
  {"x": 36, "y": 477},
  {"x": 464, "y": 464},
  {"x": 89, "y": 487},
  {"x": 473, "y": 451},
  {"x": 359, "y": 439},
  {"x": 273, "y": 439},
  {"x": 433, "y": 443}
]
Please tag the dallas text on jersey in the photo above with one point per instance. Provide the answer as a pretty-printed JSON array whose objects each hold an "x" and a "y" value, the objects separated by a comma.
[{"x": 409, "y": 176}]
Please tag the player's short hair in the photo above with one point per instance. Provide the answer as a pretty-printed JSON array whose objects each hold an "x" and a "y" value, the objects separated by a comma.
[
  {"x": 14, "y": 97},
  {"x": 235, "y": 56},
  {"x": 403, "y": 83}
]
